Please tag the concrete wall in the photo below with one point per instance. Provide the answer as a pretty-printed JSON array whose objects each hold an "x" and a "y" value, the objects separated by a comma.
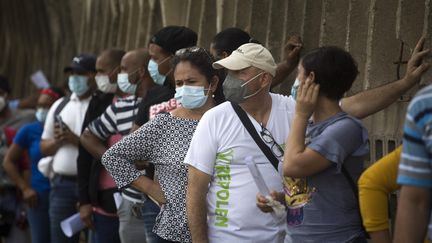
[{"x": 45, "y": 34}]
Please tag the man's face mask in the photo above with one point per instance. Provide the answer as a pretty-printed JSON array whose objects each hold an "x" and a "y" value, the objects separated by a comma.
[
  {"x": 105, "y": 85},
  {"x": 235, "y": 89},
  {"x": 78, "y": 84},
  {"x": 153, "y": 68},
  {"x": 125, "y": 85}
]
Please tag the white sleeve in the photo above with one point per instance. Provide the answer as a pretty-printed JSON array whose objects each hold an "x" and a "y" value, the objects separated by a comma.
[
  {"x": 48, "y": 131},
  {"x": 204, "y": 146}
]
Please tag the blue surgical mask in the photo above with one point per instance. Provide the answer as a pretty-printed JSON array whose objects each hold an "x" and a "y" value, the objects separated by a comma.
[
  {"x": 125, "y": 85},
  {"x": 191, "y": 97},
  {"x": 78, "y": 84},
  {"x": 153, "y": 69},
  {"x": 294, "y": 88},
  {"x": 41, "y": 114}
]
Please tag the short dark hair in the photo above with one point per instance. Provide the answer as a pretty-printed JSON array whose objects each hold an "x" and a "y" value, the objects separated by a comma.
[
  {"x": 202, "y": 60},
  {"x": 335, "y": 70},
  {"x": 228, "y": 40},
  {"x": 173, "y": 38},
  {"x": 114, "y": 56}
]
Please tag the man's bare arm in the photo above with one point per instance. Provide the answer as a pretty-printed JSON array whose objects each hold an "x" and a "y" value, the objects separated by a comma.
[
  {"x": 93, "y": 144},
  {"x": 413, "y": 214},
  {"x": 371, "y": 101},
  {"x": 196, "y": 204}
]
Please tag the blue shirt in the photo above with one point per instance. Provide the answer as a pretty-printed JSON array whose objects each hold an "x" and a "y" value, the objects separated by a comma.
[
  {"x": 415, "y": 167},
  {"x": 29, "y": 137}
]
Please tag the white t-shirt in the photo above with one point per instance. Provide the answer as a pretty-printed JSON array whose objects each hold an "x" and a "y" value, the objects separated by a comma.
[
  {"x": 218, "y": 148},
  {"x": 65, "y": 159}
]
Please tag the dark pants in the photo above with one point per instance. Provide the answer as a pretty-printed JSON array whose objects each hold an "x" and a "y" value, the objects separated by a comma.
[
  {"x": 38, "y": 218},
  {"x": 106, "y": 229},
  {"x": 63, "y": 204}
]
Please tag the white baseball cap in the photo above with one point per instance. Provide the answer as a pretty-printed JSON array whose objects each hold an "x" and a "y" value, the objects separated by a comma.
[{"x": 247, "y": 55}]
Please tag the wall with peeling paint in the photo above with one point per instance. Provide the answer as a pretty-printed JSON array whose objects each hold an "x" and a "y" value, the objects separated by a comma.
[{"x": 45, "y": 34}]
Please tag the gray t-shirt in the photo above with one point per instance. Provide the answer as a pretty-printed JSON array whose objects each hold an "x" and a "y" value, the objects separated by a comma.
[{"x": 323, "y": 207}]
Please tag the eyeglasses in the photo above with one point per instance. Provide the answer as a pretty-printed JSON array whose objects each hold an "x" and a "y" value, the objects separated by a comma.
[
  {"x": 194, "y": 49},
  {"x": 268, "y": 138}
]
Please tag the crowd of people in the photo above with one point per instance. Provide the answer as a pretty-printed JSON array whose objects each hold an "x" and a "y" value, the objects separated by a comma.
[{"x": 200, "y": 150}]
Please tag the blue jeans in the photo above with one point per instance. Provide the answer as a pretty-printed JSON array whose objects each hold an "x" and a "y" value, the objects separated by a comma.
[
  {"x": 38, "y": 218},
  {"x": 63, "y": 200},
  {"x": 106, "y": 229},
  {"x": 149, "y": 212}
]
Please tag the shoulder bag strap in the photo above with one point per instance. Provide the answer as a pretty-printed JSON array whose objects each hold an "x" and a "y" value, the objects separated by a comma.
[
  {"x": 252, "y": 131},
  {"x": 60, "y": 107}
]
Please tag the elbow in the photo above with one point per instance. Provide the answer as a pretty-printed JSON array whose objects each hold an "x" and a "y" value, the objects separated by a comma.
[
  {"x": 290, "y": 169},
  {"x": 352, "y": 107},
  {"x": 45, "y": 149}
]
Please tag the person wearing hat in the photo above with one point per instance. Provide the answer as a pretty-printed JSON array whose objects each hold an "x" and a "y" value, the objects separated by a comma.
[
  {"x": 221, "y": 196},
  {"x": 162, "y": 48},
  {"x": 60, "y": 139}
]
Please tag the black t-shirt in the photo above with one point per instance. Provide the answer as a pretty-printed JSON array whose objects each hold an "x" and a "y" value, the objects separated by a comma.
[{"x": 155, "y": 95}]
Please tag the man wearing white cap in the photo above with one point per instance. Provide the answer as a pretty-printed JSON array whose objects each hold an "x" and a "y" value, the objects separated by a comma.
[
  {"x": 220, "y": 145},
  {"x": 221, "y": 196}
]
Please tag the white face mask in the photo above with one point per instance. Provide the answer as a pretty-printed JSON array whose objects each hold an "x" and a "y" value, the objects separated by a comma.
[{"x": 104, "y": 84}]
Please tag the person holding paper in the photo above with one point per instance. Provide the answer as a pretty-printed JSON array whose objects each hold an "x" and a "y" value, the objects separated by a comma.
[
  {"x": 221, "y": 142},
  {"x": 60, "y": 139}
]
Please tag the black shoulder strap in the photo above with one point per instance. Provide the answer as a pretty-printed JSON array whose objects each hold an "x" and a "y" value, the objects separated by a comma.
[
  {"x": 354, "y": 188},
  {"x": 252, "y": 131},
  {"x": 60, "y": 107}
]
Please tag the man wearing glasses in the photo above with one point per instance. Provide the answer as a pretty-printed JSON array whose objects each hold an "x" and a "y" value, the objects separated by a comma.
[{"x": 221, "y": 196}]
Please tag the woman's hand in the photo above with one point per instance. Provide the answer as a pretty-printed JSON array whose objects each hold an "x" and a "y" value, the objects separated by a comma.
[
  {"x": 30, "y": 197},
  {"x": 307, "y": 96}
]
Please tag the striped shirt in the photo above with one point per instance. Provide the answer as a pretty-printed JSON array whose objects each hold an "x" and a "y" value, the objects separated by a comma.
[
  {"x": 415, "y": 168},
  {"x": 118, "y": 118}
]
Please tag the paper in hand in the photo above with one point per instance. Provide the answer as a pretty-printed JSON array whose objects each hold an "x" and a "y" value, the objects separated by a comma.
[{"x": 38, "y": 78}]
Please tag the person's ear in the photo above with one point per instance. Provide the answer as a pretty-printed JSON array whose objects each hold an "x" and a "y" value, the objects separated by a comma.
[
  {"x": 214, "y": 84},
  {"x": 141, "y": 73},
  {"x": 266, "y": 77},
  {"x": 311, "y": 76}
]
